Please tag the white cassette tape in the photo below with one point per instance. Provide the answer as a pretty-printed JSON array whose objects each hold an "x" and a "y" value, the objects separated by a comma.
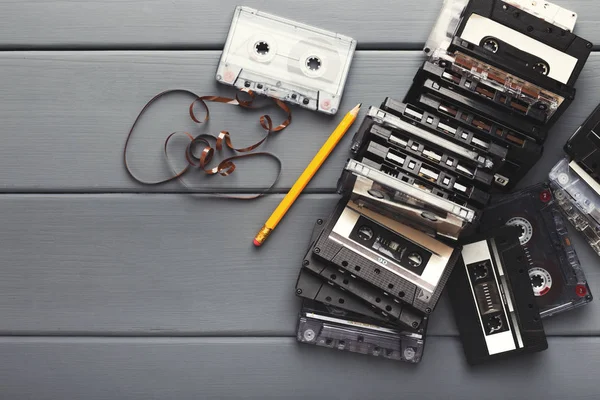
[{"x": 286, "y": 60}]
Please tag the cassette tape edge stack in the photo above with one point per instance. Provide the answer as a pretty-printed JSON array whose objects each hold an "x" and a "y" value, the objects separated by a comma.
[{"x": 498, "y": 75}]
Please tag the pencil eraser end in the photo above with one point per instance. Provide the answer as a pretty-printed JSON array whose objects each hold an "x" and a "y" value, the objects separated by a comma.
[{"x": 256, "y": 243}]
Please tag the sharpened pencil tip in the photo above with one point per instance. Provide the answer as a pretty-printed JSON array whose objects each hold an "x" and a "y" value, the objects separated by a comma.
[{"x": 356, "y": 109}]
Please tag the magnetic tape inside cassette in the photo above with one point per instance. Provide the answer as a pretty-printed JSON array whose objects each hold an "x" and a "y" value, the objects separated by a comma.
[{"x": 286, "y": 60}]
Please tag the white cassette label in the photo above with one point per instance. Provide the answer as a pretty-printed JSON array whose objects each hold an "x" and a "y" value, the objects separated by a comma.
[{"x": 561, "y": 65}]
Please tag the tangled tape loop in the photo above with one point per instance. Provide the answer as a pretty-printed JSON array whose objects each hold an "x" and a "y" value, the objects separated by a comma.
[{"x": 202, "y": 142}]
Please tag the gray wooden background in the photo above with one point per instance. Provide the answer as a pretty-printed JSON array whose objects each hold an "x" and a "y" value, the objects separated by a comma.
[{"x": 112, "y": 290}]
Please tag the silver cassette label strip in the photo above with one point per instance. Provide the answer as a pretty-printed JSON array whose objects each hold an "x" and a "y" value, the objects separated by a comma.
[{"x": 496, "y": 342}]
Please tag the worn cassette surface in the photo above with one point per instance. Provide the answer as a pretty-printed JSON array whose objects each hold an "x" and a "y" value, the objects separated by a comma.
[
  {"x": 339, "y": 329},
  {"x": 578, "y": 194},
  {"x": 584, "y": 145},
  {"x": 287, "y": 60},
  {"x": 558, "y": 282},
  {"x": 409, "y": 265},
  {"x": 322, "y": 281},
  {"x": 494, "y": 306}
]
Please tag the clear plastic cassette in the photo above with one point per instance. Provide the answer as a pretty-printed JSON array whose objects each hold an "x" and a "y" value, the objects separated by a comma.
[
  {"x": 286, "y": 60},
  {"x": 500, "y": 85},
  {"x": 579, "y": 197}
]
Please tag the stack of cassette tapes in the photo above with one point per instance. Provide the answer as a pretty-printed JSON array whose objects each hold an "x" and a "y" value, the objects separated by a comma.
[{"x": 416, "y": 195}]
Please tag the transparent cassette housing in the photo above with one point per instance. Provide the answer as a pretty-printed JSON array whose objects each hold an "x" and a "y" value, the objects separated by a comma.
[{"x": 286, "y": 60}]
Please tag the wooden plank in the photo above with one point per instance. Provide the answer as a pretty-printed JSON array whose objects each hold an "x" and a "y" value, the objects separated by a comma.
[
  {"x": 66, "y": 115},
  {"x": 198, "y": 24},
  {"x": 140, "y": 264},
  {"x": 257, "y": 368}
]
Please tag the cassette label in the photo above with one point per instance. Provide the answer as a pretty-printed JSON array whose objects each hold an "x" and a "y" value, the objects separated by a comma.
[{"x": 286, "y": 60}]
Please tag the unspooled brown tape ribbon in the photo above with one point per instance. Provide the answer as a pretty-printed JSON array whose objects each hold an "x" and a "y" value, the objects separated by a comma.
[{"x": 202, "y": 141}]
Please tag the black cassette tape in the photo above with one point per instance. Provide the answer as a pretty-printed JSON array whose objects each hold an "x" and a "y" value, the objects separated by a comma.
[
  {"x": 477, "y": 99},
  {"x": 339, "y": 329},
  {"x": 558, "y": 282},
  {"x": 311, "y": 286},
  {"x": 397, "y": 161},
  {"x": 409, "y": 265},
  {"x": 584, "y": 145},
  {"x": 322, "y": 281},
  {"x": 465, "y": 90},
  {"x": 522, "y": 152},
  {"x": 398, "y": 141},
  {"x": 511, "y": 32},
  {"x": 494, "y": 306},
  {"x": 491, "y": 155}
]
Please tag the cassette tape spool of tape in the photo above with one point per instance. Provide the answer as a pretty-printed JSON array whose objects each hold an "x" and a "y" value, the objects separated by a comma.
[
  {"x": 322, "y": 281},
  {"x": 287, "y": 60},
  {"x": 578, "y": 194},
  {"x": 407, "y": 264},
  {"x": 558, "y": 282},
  {"x": 491, "y": 296},
  {"x": 335, "y": 328}
]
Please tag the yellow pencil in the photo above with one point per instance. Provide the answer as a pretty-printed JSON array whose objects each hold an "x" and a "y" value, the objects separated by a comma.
[{"x": 306, "y": 176}]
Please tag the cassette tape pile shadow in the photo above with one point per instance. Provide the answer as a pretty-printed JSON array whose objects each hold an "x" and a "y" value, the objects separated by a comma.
[{"x": 426, "y": 195}]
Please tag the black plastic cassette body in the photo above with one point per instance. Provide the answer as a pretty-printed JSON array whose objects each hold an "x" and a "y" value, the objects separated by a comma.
[
  {"x": 557, "y": 279},
  {"x": 401, "y": 143},
  {"x": 335, "y": 328},
  {"x": 493, "y": 303},
  {"x": 584, "y": 145},
  {"x": 513, "y": 33},
  {"x": 407, "y": 264},
  {"x": 322, "y": 281},
  {"x": 522, "y": 153},
  {"x": 440, "y": 80}
]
